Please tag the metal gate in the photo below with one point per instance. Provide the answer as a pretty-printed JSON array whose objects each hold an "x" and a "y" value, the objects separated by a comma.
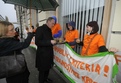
[{"x": 82, "y": 12}]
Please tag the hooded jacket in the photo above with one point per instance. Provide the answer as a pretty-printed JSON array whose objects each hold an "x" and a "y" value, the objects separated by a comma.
[
  {"x": 71, "y": 35},
  {"x": 56, "y": 30}
]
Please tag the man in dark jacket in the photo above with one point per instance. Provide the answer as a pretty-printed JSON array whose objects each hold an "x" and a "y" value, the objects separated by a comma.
[{"x": 44, "y": 54}]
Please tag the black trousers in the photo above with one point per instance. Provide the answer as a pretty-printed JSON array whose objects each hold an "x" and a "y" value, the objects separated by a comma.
[
  {"x": 19, "y": 78},
  {"x": 43, "y": 75}
]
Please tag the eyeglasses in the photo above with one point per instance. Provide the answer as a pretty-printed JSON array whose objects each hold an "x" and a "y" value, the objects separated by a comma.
[{"x": 12, "y": 29}]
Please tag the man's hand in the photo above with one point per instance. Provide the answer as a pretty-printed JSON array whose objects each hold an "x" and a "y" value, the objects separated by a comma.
[{"x": 53, "y": 42}]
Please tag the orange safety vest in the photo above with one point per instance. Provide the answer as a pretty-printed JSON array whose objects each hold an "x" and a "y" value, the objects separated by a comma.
[
  {"x": 70, "y": 36},
  {"x": 56, "y": 28},
  {"x": 94, "y": 44}
]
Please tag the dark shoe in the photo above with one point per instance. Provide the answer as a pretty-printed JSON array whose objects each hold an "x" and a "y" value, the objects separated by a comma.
[{"x": 49, "y": 80}]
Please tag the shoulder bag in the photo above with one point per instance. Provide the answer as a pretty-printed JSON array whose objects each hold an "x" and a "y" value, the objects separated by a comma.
[{"x": 12, "y": 65}]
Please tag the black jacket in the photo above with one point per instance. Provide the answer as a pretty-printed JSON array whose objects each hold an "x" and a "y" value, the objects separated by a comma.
[
  {"x": 9, "y": 45},
  {"x": 44, "y": 55}
]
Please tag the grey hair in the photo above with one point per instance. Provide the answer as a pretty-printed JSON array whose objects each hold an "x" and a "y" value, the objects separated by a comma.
[{"x": 49, "y": 19}]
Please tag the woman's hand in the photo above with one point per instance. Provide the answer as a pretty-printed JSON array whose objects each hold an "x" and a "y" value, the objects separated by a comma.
[
  {"x": 78, "y": 40},
  {"x": 113, "y": 50}
]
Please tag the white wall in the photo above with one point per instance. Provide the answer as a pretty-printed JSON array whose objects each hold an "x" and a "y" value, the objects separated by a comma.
[
  {"x": 114, "y": 36},
  {"x": 117, "y": 17},
  {"x": 42, "y": 16}
]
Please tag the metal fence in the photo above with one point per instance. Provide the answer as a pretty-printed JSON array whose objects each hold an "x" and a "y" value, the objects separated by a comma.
[{"x": 81, "y": 11}]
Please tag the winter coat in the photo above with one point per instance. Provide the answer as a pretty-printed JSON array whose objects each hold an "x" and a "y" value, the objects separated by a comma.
[
  {"x": 44, "y": 54},
  {"x": 10, "y": 44}
]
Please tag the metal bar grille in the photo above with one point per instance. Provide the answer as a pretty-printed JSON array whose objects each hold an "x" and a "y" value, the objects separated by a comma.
[{"x": 83, "y": 11}]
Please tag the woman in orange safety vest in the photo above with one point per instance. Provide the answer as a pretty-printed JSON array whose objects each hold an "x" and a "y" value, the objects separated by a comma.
[
  {"x": 93, "y": 42},
  {"x": 71, "y": 34},
  {"x": 56, "y": 29}
]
